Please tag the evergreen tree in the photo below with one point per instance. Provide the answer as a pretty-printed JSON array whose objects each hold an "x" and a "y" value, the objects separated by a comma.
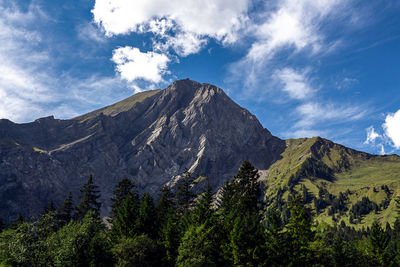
[
  {"x": 147, "y": 217},
  {"x": 89, "y": 198},
  {"x": 2, "y": 225},
  {"x": 170, "y": 236},
  {"x": 50, "y": 208},
  {"x": 248, "y": 187},
  {"x": 299, "y": 234},
  {"x": 203, "y": 211},
  {"x": 197, "y": 247},
  {"x": 378, "y": 241},
  {"x": 274, "y": 239},
  {"x": 124, "y": 223},
  {"x": 136, "y": 251},
  {"x": 185, "y": 194},
  {"x": 246, "y": 240},
  {"x": 124, "y": 189},
  {"x": 165, "y": 204},
  {"x": 66, "y": 210}
]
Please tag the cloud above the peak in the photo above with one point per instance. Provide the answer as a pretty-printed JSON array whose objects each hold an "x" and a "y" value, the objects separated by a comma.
[
  {"x": 132, "y": 64},
  {"x": 182, "y": 25}
]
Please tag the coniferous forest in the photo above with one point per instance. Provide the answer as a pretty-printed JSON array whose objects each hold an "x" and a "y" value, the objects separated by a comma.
[{"x": 232, "y": 228}]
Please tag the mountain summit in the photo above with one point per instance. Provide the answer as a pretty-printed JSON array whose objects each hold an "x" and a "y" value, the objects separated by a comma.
[{"x": 153, "y": 137}]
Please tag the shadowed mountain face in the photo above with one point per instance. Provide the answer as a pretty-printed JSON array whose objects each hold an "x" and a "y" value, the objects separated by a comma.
[{"x": 152, "y": 137}]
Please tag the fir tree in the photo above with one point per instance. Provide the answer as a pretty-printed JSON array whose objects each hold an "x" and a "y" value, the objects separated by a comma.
[
  {"x": 147, "y": 217},
  {"x": 378, "y": 241},
  {"x": 89, "y": 198},
  {"x": 203, "y": 211},
  {"x": 124, "y": 223},
  {"x": 299, "y": 234},
  {"x": 185, "y": 194},
  {"x": 124, "y": 189},
  {"x": 67, "y": 209},
  {"x": 2, "y": 225},
  {"x": 165, "y": 204}
]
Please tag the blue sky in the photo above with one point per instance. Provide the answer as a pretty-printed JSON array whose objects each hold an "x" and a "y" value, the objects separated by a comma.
[{"x": 304, "y": 68}]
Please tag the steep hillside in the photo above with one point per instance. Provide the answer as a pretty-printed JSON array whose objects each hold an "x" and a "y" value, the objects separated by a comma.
[{"x": 335, "y": 179}]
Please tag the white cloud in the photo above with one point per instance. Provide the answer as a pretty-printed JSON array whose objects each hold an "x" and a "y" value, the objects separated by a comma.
[
  {"x": 295, "y": 23},
  {"x": 189, "y": 20},
  {"x": 23, "y": 85},
  {"x": 295, "y": 83},
  {"x": 311, "y": 113},
  {"x": 392, "y": 128},
  {"x": 133, "y": 64},
  {"x": 371, "y": 135}
]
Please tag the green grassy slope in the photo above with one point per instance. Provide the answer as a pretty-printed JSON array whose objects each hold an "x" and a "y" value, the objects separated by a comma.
[
  {"x": 317, "y": 165},
  {"x": 119, "y": 107}
]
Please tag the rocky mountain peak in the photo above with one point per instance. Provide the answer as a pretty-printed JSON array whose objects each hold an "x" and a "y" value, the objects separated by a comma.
[{"x": 151, "y": 137}]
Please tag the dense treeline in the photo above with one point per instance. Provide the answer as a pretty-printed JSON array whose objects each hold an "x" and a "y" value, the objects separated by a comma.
[{"x": 184, "y": 229}]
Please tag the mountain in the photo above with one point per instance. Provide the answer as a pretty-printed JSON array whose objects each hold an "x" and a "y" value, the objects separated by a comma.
[
  {"x": 152, "y": 137},
  {"x": 336, "y": 181}
]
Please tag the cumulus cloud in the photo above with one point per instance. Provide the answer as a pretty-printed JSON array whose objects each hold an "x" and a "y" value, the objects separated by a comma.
[
  {"x": 133, "y": 64},
  {"x": 371, "y": 135},
  {"x": 294, "y": 83},
  {"x": 188, "y": 22},
  {"x": 392, "y": 128}
]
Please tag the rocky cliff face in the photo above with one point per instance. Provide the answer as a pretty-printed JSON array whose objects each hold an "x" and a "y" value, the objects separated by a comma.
[{"x": 152, "y": 137}]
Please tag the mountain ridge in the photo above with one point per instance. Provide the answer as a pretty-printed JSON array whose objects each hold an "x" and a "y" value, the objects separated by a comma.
[{"x": 154, "y": 136}]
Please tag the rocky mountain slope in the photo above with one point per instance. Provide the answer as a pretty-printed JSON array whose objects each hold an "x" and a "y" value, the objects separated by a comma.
[{"x": 152, "y": 137}]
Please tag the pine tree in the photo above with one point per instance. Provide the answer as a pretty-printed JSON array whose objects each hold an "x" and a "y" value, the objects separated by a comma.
[
  {"x": 50, "y": 208},
  {"x": 124, "y": 189},
  {"x": 299, "y": 233},
  {"x": 378, "y": 241},
  {"x": 89, "y": 198},
  {"x": 203, "y": 210},
  {"x": 2, "y": 225},
  {"x": 185, "y": 194},
  {"x": 147, "y": 217},
  {"x": 248, "y": 187},
  {"x": 165, "y": 203},
  {"x": 66, "y": 210},
  {"x": 124, "y": 223},
  {"x": 274, "y": 238}
]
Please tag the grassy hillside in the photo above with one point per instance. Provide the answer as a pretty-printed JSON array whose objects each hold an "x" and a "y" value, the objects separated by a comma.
[
  {"x": 121, "y": 106},
  {"x": 335, "y": 179}
]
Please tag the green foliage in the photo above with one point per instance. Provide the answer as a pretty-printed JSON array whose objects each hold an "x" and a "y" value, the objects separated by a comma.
[
  {"x": 67, "y": 209},
  {"x": 136, "y": 251},
  {"x": 147, "y": 217},
  {"x": 191, "y": 230},
  {"x": 124, "y": 222},
  {"x": 82, "y": 243},
  {"x": 125, "y": 188},
  {"x": 299, "y": 233},
  {"x": 89, "y": 198},
  {"x": 197, "y": 247},
  {"x": 185, "y": 194}
]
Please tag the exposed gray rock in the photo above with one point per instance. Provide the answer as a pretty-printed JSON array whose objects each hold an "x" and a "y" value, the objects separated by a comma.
[{"x": 152, "y": 137}]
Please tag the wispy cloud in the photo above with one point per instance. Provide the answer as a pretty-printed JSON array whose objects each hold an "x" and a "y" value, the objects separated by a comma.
[
  {"x": 371, "y": 135},
  {"x": 295, "y": 83}
]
